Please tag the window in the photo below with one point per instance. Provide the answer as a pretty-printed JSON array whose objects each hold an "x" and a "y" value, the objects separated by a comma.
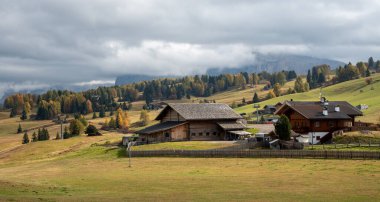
[
  {"x": 192, "y": 134},
  {"x": 331, "y": 124},
  {"x": 200, "y": 134},
  {"x": 316, "y": 124},
  {"x": 167, "y": 135},
  {"x": 214, "y": 133},
  {"x": 207, "y": 134},
  {"x": 318, "y": 137}
]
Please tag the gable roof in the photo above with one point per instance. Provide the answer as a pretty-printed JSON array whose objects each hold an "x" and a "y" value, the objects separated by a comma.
[
  {"x": 231, "y": 125},
  {"x": 203, "y": 111},
  {"x": 160, "y": 127},
  {"x": 313, "y": 110}
]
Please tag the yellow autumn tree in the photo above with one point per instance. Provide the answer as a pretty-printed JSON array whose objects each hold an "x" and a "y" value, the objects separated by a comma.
[{"x": 119, "y": 118}]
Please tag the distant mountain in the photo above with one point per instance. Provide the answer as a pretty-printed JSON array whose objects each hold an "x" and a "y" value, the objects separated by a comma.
[
  {"x": 268, "y": 62},
  {"x": 278, "y": 62},
  {"x": 70, "y": 87},
  {"x": 132, "y": 78}
]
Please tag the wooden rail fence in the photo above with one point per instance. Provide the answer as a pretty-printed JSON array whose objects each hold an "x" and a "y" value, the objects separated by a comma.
[{"x": 320, "y": 154}]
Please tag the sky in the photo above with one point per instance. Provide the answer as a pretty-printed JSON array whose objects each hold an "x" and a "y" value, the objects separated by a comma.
[{"x": 82, "y": 42}]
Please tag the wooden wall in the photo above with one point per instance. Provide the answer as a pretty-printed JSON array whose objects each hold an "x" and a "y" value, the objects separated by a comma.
[
  {"x": 172, "y": 115},
  {"x": 205, "y": 130}
]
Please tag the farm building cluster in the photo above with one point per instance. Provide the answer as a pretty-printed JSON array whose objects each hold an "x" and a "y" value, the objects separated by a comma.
[{"x": 312, "y": 122}]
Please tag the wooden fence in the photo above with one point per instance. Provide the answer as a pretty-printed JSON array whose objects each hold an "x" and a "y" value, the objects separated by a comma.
[{"x": 320, "y": 154}]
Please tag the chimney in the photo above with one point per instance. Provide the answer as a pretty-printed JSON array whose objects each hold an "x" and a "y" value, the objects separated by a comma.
[
  {"x": 337, "y": 108},
  {"x": 325, "y": 111}
]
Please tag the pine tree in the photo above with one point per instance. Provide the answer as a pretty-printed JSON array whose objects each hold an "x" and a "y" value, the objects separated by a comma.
[
  {"x": 13, "y": 112},
  {"x": 76, "y": 127},
  {"x": 19, "y": 129},
  {"x": 102, "y": 113},
  {"x": 255, "y": 98},
  {"x": 371, "y": 63},
  {"x": 25, "y": 138},
  {"x": 24, "y": 115},
  {"x": 283, "y": 128},
  {"x": 34, "y": 137},
  {"x": 112, "y": 123},
  {"x": 367, "y": 73}
]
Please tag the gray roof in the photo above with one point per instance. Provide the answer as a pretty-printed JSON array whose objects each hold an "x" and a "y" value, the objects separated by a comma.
[
  {"x": 231, "y": 125},
  {"x": 203, "y": 111},
  {"x": 160, "y": 127},
  {"x": 313, "y": 110}
]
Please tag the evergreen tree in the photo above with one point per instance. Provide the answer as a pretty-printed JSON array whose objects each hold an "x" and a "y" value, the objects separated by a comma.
[
  {"x": 112, "y": 123},
  {"x": 371, "y": 63},
  {"x": 367, "y": 73},
  {"x": 34, "y": 137},
  {"x": 283, "y": 128},
  {"x": 102, "y": 112},
  {"x": 144, "y": 117},
  {"x": 19, "y": 129},
  {"x": 91, "y": 130},
  {"x": 13, "y": 112},
  {"x": 255, "y": 98},
  {"x": 24, "y": 115},
  {"x": 76, "y": 127},
  {"x": 94, "y": 116},
  {"x": 25, "y": 138}
]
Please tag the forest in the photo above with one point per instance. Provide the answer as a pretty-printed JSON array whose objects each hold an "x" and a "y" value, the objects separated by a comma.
[{"x": 55, "y": 102}]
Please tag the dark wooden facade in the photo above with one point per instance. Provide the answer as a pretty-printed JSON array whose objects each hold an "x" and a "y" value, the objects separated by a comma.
[
  {"x": 300, "y": 124},
  {"x": 190, "y": 127},
  {"x": 308, "y": 117}
]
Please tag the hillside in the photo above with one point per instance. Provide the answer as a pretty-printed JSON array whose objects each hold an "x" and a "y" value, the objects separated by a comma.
[{"x": 354, "y": 91}]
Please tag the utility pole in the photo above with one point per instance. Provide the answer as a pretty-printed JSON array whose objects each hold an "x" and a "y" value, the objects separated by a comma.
[{"x": 257, "y": 106}]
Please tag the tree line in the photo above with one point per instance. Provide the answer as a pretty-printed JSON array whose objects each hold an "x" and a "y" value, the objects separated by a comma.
[{"x": 101, "y": 99}]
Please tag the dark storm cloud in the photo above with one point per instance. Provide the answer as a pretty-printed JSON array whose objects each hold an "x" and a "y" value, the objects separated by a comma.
[{"x": 90, "y": 40}]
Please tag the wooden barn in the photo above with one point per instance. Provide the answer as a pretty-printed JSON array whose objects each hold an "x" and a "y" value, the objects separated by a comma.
[
  {"x": 185, "y": 121},
  {"x": 319, "y": 119}
]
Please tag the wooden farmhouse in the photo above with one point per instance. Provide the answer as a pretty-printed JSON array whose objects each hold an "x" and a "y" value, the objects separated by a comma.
[
  {"x": 318, "y": 120},
  {"x": 208, "y": 121}
]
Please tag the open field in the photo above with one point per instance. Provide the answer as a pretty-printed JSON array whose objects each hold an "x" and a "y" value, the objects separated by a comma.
[
  {"x": 355, "y": 92},
  {"x": 97, "y": 173}
]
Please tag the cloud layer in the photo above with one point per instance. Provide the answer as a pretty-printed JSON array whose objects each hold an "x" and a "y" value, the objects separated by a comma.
[{"x": 45, "y": 41}]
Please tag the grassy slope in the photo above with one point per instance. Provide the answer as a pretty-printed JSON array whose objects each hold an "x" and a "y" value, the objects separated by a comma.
[
  {"x": 348, "y": 91},
  {"x": 98, "y": 174}
]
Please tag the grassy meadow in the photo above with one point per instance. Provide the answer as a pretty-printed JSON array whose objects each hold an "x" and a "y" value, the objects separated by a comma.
[
  {"x": 94, "y": 168},
  {"x": 98, "y": 173}
]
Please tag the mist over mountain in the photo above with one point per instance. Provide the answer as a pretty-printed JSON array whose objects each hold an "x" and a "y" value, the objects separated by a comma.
[
  {"x": 263, "y": 62},
  {"x": 278, "y": 62}
]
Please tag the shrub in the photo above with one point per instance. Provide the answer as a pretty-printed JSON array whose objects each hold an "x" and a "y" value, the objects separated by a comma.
[{"x": 91, "y": 130}]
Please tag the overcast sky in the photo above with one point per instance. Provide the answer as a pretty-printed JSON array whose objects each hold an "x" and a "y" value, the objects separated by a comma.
[{"x": 44, "y": 42}]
